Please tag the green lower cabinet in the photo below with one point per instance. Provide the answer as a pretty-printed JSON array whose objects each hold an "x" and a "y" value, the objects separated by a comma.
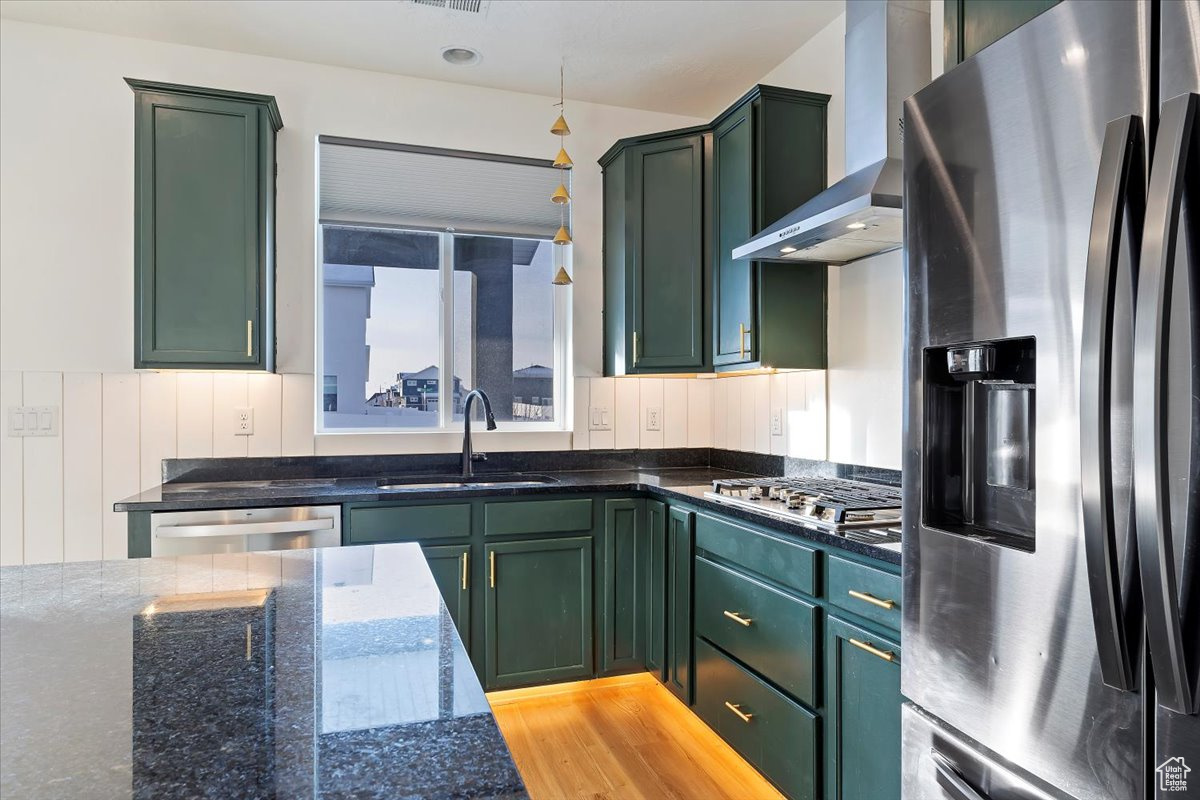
[
  {"x": 450, "y": 565},
  {"x": 862, "y": 711},
  {"x": 623, "y": 615},
  {"x": 770, "y": 730},
  {"x": 681, "y": 537},
  {"x": 538, "y": 611},
  {"x": 656, "y": 589}
]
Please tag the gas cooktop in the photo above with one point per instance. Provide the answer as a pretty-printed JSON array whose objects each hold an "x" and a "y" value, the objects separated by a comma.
[{"x": 833, "y": 504}]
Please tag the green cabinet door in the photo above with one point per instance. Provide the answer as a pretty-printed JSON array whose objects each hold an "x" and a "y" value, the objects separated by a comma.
[
  {"x": 623, "y": 616},
  {"x": 656, "y": 589},
  {"x": 538, "y": 611},
  {"x": 664, "y": 255},
  {"x": 451, "y": 567},
  {"x": 862, "y": 676},
  {"x": 735, "y": 286},
  {"x": 681, "y": 525},
  {"x": 971, "y": 25},
  {"x": 204, "y": 197}
]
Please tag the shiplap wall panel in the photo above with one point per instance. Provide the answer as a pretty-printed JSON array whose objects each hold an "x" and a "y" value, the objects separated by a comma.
[
  {"x": 43, "y": 467},
  {"x": 650, "y": 395},
  {"x": 265, "y": 395},
  {"x": 83, "y": 466},
  {"x": 12, "y": 489},
  {"x": 675, "y": 413},
  {"x": 603, "y": 395},
  {"x": 745, "y": 392},
  {"x": 720, "y": 414},
  {"x": 816, "y": 406},
  {"x": 121, "y": 453},
  {"x": 157, "y": 438},
  {"x": 297, "y": 415},
  {"x": 699, "y": 402},
  {"x": 581, "y": 420},
  {"x": 761, "y": 385},
  {"x": 625, "y": 416},
  {"x": 194, "y": 415},
  {"x": 230, "y": 391},
  {"x": 778, "y": 407}
]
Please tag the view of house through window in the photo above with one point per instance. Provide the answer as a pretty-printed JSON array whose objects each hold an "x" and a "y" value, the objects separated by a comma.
[{"x": 436, "y": 277}]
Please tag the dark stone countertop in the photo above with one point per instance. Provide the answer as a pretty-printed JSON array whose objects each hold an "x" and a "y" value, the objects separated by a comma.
[
  {"x": 679, "y": 483},
  {"x": 332, "y": 673}
]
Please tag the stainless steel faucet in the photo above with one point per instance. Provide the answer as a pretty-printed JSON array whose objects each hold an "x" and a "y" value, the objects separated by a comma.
[{"x": 469, "y": 455}]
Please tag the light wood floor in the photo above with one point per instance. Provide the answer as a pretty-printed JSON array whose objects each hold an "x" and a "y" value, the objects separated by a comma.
[{"x": 624, "y": 738}]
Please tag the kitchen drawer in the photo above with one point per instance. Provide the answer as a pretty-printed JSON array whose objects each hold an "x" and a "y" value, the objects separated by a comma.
[
  {"x": 775, "y": 734},
  {"x": 792, "y": 565},
  {"x": 376, "y": 524},
  {"x": 866, "y": 591},
  {"x": 777, "y": 635},
  {"x": 537, "y": 516}
]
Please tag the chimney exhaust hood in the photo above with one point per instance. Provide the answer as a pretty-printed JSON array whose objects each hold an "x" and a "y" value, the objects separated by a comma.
[{"x": 887, "y": 59}]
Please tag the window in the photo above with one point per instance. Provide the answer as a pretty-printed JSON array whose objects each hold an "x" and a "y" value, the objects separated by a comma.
[{"x": 437, "y": 264}]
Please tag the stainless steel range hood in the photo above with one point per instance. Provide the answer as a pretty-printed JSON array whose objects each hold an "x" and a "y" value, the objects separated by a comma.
[{"x": 887, "y": 59}]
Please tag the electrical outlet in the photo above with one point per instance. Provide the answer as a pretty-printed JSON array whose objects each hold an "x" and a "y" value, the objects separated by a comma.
[
  {"x": 777, "y": 422},
  {"x": 600, "y": 416},
  {"x": 243, "y": 421},
  {"x": 654, "y": 419}
]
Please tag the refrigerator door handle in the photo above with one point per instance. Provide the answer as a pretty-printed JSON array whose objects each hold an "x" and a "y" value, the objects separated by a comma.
[
  {"x": 951, "y": 780},
  {"x": 1173, "y": 654},
  {"x": 1119, "y": 206}
]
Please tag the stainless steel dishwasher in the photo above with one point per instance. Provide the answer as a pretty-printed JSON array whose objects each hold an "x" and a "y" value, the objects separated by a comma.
[{"x": 243, "y": 530}]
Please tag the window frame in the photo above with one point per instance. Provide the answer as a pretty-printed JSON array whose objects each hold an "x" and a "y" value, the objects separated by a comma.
[{"x": 561, "y": 332}]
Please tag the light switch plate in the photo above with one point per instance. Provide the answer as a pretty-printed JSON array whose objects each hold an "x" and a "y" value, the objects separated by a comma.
[
  {"x": 243, "y": 421},
  {"x": 33, "y": 420},
  {"x": 654, "y": 418},
  {"x": 777, "y": 422},
  {"x": 599, "y": 417}
]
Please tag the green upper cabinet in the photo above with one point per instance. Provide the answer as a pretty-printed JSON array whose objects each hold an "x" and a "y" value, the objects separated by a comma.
[
  {"x": 538, "y": 611},
  {"x": 862, "y": 710},
  {"x": 204, "y": 240},
  {"x": 971, "y": 25},
  {"x": 656, "y": 269},
  {"x": 769, "y": 157}
]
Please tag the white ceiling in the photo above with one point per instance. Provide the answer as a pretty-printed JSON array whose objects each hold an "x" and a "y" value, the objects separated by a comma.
[{"x": 664, "y": 55}]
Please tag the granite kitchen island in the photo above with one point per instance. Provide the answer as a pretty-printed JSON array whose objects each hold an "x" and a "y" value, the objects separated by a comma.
[{"x": 310, "y": 673}]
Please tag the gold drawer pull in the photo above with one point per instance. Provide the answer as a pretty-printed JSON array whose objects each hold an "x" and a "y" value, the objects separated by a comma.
[
  {"x": 492, "y": 567},
  {"x": 873, "y": 600},
  {"x": 886, "y": 655},
  {"x": 249, "y": 338},
  {"x": 740, "y": 620},
  {"x": 249, "y": 639},
  {"x": 737, "y": 709},
  {"x": 464, "y": 575}
]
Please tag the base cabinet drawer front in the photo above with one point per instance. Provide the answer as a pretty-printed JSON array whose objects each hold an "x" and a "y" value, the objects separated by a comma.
[
  {"x": 869, "y": 592},
  {"x": 862, "y": 714},
  {"x": 787, "y": 563},
  {"x": 774, "y": 733},
  {"x": 376, "y": 525},
  {"x": 451, "y": 568},
  {"x": 538, "y": 611},
  {"x": 537, "y": 516},
  {"x": 772, "y": 632}
]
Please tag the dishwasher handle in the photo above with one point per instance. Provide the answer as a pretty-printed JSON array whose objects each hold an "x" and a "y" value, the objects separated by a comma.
[{"x": 243, "y": 528}]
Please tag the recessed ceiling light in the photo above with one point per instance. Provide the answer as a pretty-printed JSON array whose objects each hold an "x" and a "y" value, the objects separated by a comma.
[
  {"x": 856, "y": 226},
  {"x": 461, "y": 56},
  {"x": 786, "y": 250}
]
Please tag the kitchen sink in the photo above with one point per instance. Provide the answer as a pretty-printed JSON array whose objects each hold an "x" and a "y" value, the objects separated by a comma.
[{"x": 496, "y": 481}]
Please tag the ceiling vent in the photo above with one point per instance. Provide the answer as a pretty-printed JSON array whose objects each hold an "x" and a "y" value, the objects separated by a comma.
[{"x": 467, "y": 6}]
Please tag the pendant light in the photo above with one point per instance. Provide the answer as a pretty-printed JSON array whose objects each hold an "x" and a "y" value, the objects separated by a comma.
[{"x": 561, "y": 196}]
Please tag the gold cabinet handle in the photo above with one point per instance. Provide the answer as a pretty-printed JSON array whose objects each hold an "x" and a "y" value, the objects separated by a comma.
[
  {"x": 743, "y": 331},
  {"x": 249, "y": 338},
  {"x": 249, "y": 649},
  {"x": 736, "y": 708},
  {"x": 886, "y": 655},
  {"x": 872, "y": 599},
  {"x": 464, "y": 570},
  {"x": 492, "y": 568},
  {"x": 635, "y": 348},
  {"x": 739, "y": 619}
]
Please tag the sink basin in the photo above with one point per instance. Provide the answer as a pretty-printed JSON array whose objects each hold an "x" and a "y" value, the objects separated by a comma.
[{"x": 499, "y": 481}]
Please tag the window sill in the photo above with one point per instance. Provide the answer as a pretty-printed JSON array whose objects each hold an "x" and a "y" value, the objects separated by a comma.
[{"x": 444, "y": 441}]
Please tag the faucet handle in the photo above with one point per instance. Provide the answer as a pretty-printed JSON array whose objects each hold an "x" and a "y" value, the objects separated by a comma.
[{"x": 479, "y": 456}]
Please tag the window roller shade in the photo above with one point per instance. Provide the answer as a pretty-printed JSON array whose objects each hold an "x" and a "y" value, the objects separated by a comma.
[{"x": 427, "y": 190}]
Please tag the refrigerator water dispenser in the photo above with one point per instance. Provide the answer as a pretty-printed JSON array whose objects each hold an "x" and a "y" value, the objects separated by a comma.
[{"x": 980, "y": 437}]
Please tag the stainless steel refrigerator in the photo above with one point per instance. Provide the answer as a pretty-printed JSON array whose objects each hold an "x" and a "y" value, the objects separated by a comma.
[{"x": 1051, "y": 625}]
